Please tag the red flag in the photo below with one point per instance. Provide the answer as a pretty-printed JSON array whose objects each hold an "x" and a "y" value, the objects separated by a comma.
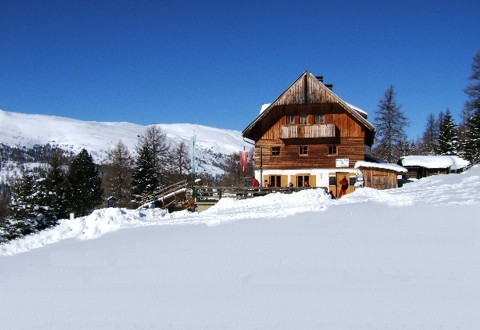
[{"x": 243, "y": 160}]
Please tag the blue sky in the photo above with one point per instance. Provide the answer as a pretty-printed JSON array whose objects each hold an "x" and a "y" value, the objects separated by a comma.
[{"x": 216, "y": 62}]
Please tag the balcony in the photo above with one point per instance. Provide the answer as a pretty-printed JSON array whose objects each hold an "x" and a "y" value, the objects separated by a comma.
[{"x": 307, "y": 131}]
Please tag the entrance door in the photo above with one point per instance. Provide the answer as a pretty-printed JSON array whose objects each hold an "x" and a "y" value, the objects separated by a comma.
[
  {"x": 334, "y": 182},
  {"x": 340, "y": 176}
]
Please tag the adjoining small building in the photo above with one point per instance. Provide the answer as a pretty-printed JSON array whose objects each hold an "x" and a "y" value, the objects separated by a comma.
[
  {"x": 423, "y": 166},
  {"x": 379, "y": 175}
]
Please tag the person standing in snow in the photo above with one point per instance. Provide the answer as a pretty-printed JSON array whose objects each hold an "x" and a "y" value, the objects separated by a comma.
[
  {"x": 343, "y": 187},
  {"x": 255, "y": 183}
]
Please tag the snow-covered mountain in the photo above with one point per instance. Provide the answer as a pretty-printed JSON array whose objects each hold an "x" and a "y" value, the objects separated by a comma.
[{"x": 27, "y": 130}]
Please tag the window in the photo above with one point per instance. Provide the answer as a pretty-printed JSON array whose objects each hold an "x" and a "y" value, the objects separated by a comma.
[
  {"x": 319, "y": 119},
  {"x": 303, "y": 181},
  {"x": 275, "y": 151},
  {"x": 332, "y": 181},
  {"x": 290, "y": 120},
  {"x": 275, "y": 181},
  {"x": 303, "y": 151},
  {"x": 303, "y": 119},
  {"x": 332, "y": 150}
]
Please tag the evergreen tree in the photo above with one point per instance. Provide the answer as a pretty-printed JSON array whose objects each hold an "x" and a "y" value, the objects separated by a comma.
[
  {"x": 144, "y": 179},
  {"x": 470, "y": 134},
  {"x": 4, "y": 202},
  {"x": 56, "y": 186},
  {"x": 429, "y": 144},
  {"x": 390, "y": 124},
  {"x": 471, "y": 142},
  {"x": 22, "y": 201},
  {"x": 152, "y": 164},
  {"x": 117, "y": 177},
  {"x": 28, "y": 210},
  {"x": 156, "y": 141},
  {"x": 448, "y": 143},
  {"x": 85, "y": 184}
]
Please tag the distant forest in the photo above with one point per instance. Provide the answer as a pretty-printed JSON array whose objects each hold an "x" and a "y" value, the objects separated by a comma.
[{"x": 37, "y": 153}]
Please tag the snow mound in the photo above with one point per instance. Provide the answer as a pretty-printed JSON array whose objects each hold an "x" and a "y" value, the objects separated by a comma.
[
  {"x": 282, "y": 205},
  {"x": 92, "y": 226}
]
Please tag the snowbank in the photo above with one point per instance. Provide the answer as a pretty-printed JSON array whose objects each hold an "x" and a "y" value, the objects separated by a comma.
[
  {"x": 461, "y": 189},
  {"x": 109, "y": 220}
]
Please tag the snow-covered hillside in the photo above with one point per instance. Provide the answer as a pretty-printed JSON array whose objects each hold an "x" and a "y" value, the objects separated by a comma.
[
  {"x": 19, "y": 130},
  {"x": 404, "y": 258}
]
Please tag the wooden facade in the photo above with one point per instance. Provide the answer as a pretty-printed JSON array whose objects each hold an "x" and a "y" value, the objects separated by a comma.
[
  {"x": 380, "y": 178},
  {"x": 418, "y": 172},
  {"x": 309, "y": 128}
]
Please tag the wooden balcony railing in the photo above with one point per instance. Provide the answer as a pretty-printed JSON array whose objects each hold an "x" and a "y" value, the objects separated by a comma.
[{"x": 307, "y": 131}]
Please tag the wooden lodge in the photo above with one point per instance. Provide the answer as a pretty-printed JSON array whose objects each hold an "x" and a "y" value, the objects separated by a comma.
[{"x": 309, "y": 136}]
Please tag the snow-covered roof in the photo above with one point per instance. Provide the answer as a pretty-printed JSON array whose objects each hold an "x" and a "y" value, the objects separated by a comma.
[
  {"x": 264, "y": 106},
  {"x": 386, "y": 166},
  {"x": 357, "y": 109},
  {"x": 452, "y": 162}
]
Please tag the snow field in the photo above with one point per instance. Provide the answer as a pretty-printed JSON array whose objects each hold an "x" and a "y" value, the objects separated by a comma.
[{"x": 397, "y": 259}]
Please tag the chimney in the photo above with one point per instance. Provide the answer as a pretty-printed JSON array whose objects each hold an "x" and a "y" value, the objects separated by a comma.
[
  {"x": 319, "y": 78},
  {"x": 329, "y": 86}
]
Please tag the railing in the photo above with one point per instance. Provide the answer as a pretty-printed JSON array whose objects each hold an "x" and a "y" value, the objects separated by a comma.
[
  {"x": 307, "y": 131},
  {"x": 165, "y": 194},
  {"x": 215, "y": 193},
  {"x": 179, "y": 197}
]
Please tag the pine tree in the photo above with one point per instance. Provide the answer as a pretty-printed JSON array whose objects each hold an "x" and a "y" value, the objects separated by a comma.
[
  {"x": 429, "y": 144},
  {"x": 117, "y": 177},
  {"x": 55, "y": 185},
  {"x": 22, "y": 207},
  {"x": 156, "y": 141},
  {"x": 470, "y": 130},
  {"x": 390, "y": 125},
  {"x": 28, "y": 210},
  {"x": 145, "y": 178},
  {"x": 152, "y": 164},
  {"x": 448, "y": 143},
  {"x": 471, "y": 143},
  {"x": 85, "y": 184}
]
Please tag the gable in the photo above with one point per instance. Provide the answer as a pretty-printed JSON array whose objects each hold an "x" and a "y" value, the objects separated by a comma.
[{"x": 307, "y": 89}]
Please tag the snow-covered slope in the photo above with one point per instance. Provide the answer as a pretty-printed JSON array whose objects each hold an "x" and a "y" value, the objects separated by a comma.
[
  {"x": 17, "y": 129},
  {"x": 404, "y": 258}
]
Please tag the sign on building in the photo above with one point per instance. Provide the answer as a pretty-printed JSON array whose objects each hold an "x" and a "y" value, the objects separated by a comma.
[{"x": 342, "y": 162}]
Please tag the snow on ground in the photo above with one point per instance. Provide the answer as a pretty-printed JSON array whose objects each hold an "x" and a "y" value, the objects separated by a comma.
[{"x": 404, "y": 258}]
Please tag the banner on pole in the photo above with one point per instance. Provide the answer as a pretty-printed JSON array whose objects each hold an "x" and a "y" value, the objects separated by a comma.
[{"x": 243, "y": 160}]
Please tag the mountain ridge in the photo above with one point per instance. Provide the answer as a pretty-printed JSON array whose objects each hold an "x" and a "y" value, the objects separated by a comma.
[{"x": 26, "y": 130}]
